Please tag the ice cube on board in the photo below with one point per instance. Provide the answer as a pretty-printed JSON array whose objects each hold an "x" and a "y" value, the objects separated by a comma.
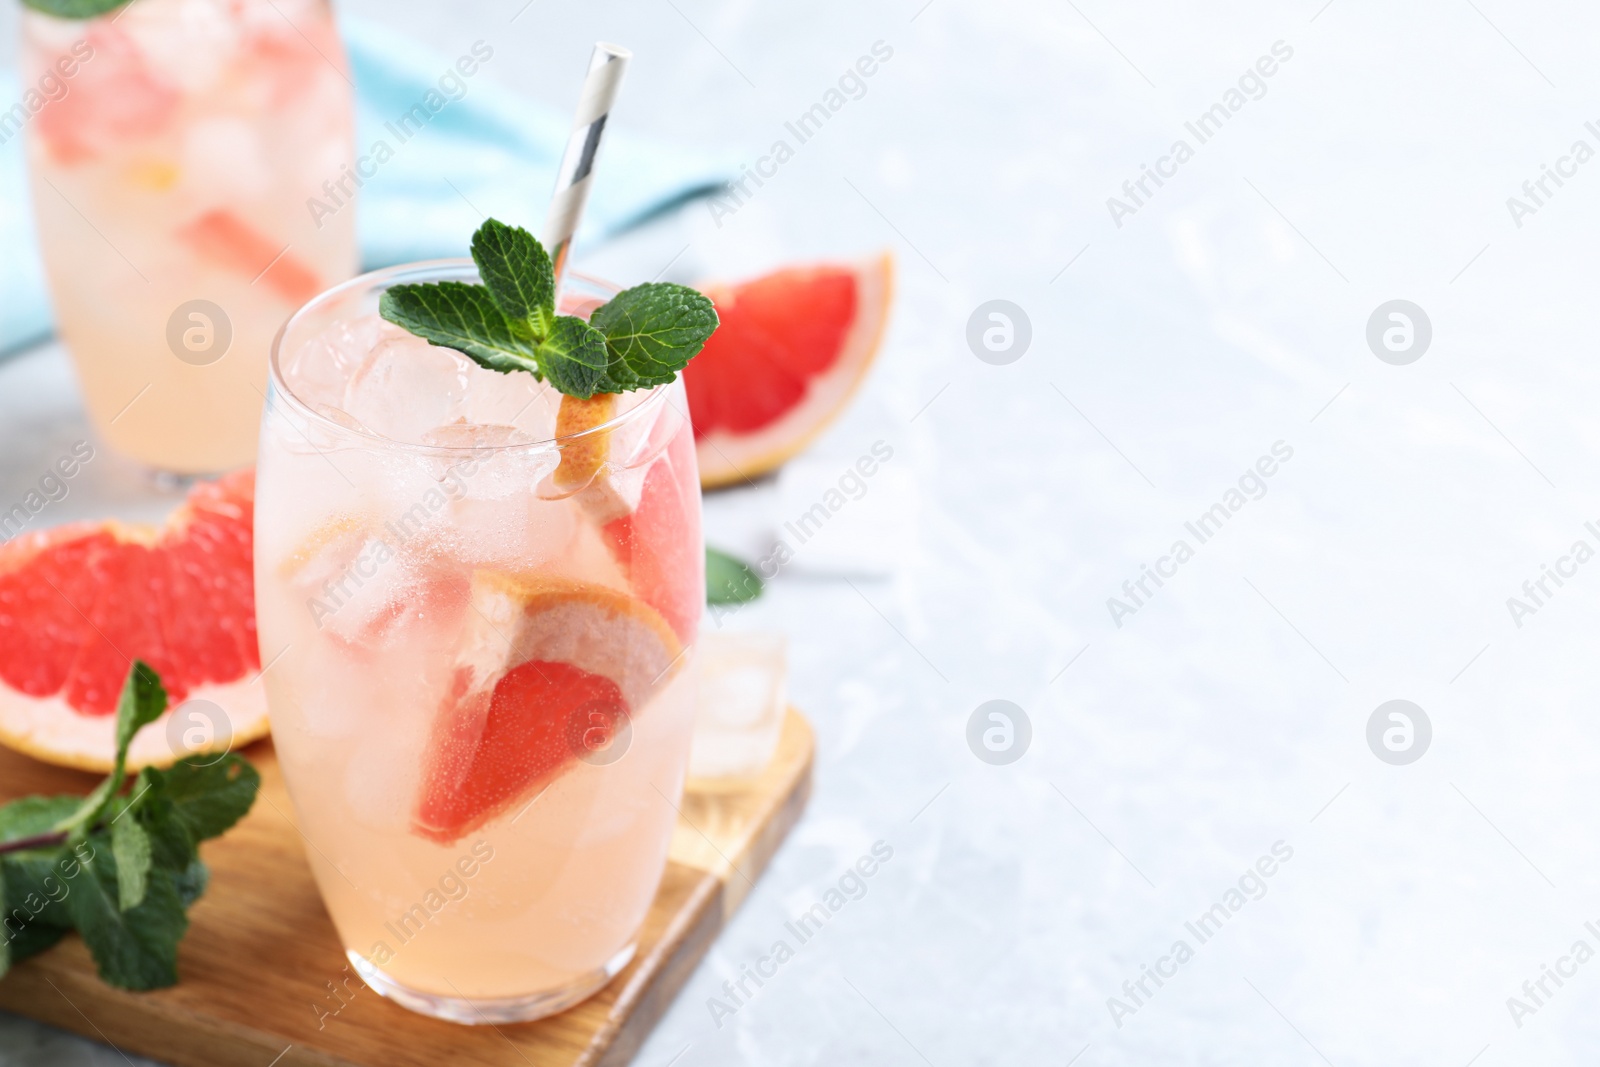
[{"x": 743, "y": 698}]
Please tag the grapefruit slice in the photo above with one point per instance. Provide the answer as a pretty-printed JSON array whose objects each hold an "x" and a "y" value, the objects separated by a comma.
[
  {"x": 224, "y": 240},
  {"x": 649, "y": 518},
  {"x": 792, "y": 349},
  {"x": 79, "y": 603},
  {"x": 547, "y": 669},
  {"x": 658, "y": 544},
  {"x": 114, "y": 97}
]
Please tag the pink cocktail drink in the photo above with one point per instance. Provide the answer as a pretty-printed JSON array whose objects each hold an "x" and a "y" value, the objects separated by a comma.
[
  {"x": 479, "y": 643},
  {"x": 176, "y": 164}
]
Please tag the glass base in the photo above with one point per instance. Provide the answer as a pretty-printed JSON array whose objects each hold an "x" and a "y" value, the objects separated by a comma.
[{"x": 495, "y": 1010}]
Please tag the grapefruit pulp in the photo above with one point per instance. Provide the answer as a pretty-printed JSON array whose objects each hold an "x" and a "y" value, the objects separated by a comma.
[
  {"x": 79, "y": 603},
  {"x": 548, "y": 670},
  {"x": 790, "y": 351},
  {"x": 228, "y": 242},
  {"x": 658, "y": 544}
]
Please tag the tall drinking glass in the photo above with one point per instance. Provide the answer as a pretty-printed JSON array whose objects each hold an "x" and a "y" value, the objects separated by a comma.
[
  {"x": 186, "y": 159},
  {"x": 479, "y": 637}
]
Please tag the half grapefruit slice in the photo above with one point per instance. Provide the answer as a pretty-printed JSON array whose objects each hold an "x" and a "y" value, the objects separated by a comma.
[
  {"x": 547, "y": 670},
  {"x": 792, "y": 349},
  {"x": 79, "y": 603}
]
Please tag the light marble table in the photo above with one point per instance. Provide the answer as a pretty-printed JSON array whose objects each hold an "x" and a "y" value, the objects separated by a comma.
[{"x": 1223, "y": 714}]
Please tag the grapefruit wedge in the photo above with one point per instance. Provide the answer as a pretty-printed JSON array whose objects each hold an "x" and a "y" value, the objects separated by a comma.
[
  {"x": 649, "y": 519},
  {"x": 792, "y": 349},
  {"x": 228, "y": 242},
  {"x": 658, "y": 543},
  {"x": 548, "y": 671},
  {"x": 79, "y": 603}
]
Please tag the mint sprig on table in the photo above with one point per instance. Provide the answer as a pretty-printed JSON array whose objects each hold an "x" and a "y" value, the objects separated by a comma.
[
  {"x": 120, "y": 867},
  {"x": 642, "y": 338}
]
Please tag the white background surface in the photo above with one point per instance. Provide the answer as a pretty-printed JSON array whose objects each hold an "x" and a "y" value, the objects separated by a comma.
[{"x": 1230, "y": 712}]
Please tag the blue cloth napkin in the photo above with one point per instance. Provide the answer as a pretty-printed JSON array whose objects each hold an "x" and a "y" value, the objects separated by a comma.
[{"x": 489, "y": 151}]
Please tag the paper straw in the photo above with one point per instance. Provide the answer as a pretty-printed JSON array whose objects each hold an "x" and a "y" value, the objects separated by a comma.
[{"x": 600, "y": 86}]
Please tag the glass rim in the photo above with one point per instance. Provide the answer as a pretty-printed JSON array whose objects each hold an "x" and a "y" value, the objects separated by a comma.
[{"x": 437, "y": 269}]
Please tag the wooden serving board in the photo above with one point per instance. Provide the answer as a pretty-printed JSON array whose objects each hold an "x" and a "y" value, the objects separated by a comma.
[{"x": 260, "y": 950}]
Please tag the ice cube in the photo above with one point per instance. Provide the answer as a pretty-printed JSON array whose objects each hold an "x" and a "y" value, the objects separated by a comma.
[
  {"x": 740, "y": 712},
  {"x": 406, "y": 387},
  {"x": 318, "y": 371},
  {"x": 114, "y": 99},
  {"x": 191, "y": 42},
  {"x": 492, "y": 474},
  {"x": 224, "y": 159},
  {"x": 332, "y": 695},
  {"x": 495, "y": 516},
  {"x": 464, "y": 434},
  {"x": 493, "y": 469},
  {"x": 611, "y": 494},
  {"x": 348, "y": 577},
  {"x": 382, "y": 779},
  {"x": 333, "y": 414}
]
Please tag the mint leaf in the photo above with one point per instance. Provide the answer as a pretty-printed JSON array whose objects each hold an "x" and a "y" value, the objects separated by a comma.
[
  {"x": 130, "y": 844},
  {"x": 190, "y": 802},
  {"x": 654, "y": 330},
  {"x": 517, "y": 272},
  {"x": 460, "y": 316},
  {"x": 207, "y": 798},
  {"x": 729, "y": 580},
  {"x": 172, "y": 845},
  {"x": 74, "y": 9},
  {"x": 191, "y": 882},
  {"x": 32, "y": 915},
  {"x": 31, "y": 941},
  {"x": 142, "y": 702},
  {"x": 33, "y": 816},
  {"x": 574, "y": 357},
  {"x": 119, "y": 867},
  {"x": 643, "y": 338},
  {"x": 135, "y": 949},
  {"x": 35, "y": 887}
]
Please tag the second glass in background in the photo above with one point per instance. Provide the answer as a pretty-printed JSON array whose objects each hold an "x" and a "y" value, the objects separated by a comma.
[{"x": 175, "y": 175}]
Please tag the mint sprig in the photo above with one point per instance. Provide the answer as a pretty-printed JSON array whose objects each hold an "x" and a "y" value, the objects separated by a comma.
[
  {"x": 119, "y": 867},
  {"x": 74, "y": 9},
  {"x": 639, "y": 340}
]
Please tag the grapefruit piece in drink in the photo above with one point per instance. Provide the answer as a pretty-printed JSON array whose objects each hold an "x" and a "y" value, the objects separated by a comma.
[
  {"x": 79, "y": 603},
  {"x": 114, "y": 97},
  {"x": 658, "y": 544},
  {"x": 790, "y": 352},
  {"x": 222, "y": 239},
  {"x": 549, "y": 670},
  {"x": 649, "y": 518}
]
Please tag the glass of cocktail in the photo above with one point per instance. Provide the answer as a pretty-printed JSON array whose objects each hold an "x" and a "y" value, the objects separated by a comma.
[
  {"x": 187, "y": 162},
  {"x": 478, "y": 616}
]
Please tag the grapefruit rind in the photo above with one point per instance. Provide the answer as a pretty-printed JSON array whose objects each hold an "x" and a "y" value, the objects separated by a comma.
[
  {"x": 586, "y": 470},
  {"x": 728, "y": 458},
  {"x": 48, "y": 730},
  {"x": 600, "y": 630}
]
